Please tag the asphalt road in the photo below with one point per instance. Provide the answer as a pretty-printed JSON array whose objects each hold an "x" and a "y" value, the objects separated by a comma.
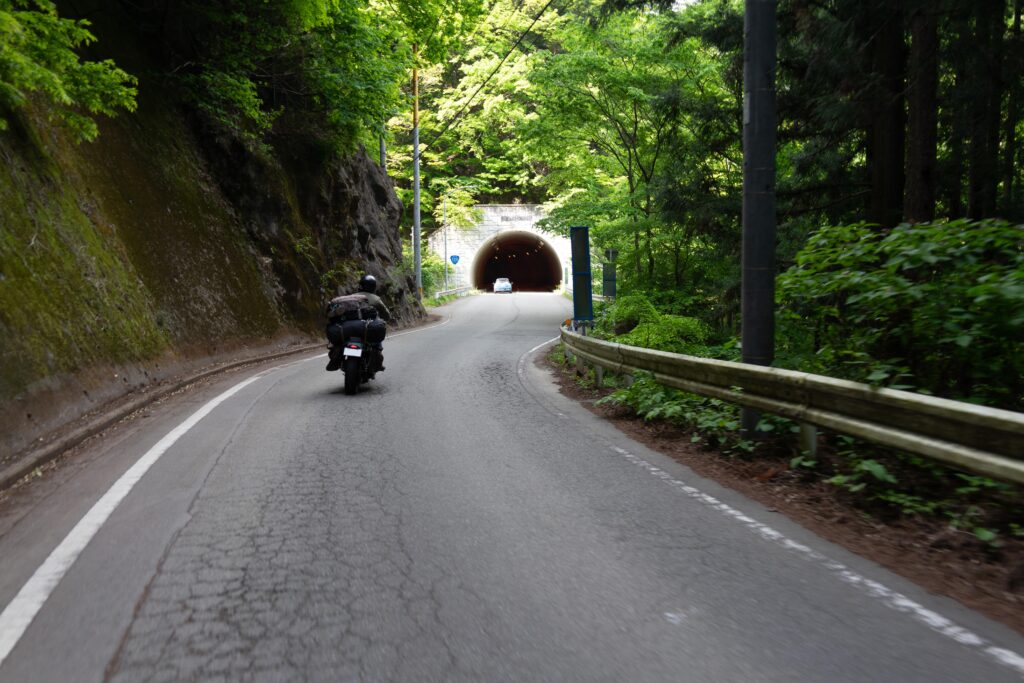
[{"x": 457, "y": 520}]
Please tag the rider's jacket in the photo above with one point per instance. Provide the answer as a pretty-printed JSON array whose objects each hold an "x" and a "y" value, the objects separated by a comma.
[{"x": 378, "y": 303}]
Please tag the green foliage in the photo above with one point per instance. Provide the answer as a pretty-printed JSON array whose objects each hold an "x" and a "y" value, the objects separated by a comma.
[
  {"x": 673, "y": 333},
  {"x": 625, "y": 313},
  {"x": 455, "y": 205},
  {"x": 331, "y": 68},
  {"x": 431, "y": 269},
  {"x": 714, "y": 422},
  {"x": 69, "y": 296},
  {"x": 38, "y": 55},
  {"x": 936, "y": 306},
  {"x": 854, "y": 479}
]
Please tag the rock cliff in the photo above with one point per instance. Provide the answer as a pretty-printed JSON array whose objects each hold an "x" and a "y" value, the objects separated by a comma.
[{"x": 161, "y": 246}]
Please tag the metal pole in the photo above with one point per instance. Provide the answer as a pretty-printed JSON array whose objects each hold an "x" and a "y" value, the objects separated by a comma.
[
  {"x": 758, "y": 285},
  {"x": 444, "y": 223},
  {"x": 417, "y": 265}
]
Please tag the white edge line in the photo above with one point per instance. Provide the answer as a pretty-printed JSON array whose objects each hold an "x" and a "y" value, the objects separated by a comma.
[
  {"x": 542, "y": 345},
  {"x": 890, "y": 598},
  {"x": 18, "y": 615}
]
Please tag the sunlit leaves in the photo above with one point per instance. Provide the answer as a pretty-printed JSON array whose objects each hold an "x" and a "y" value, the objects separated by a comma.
[
  {"x": 938, "y": 306},
  {"x": 38, "y": 54}
]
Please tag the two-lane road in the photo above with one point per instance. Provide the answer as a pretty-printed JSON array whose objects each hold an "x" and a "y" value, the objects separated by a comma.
[{"x": 457, "y": 520}]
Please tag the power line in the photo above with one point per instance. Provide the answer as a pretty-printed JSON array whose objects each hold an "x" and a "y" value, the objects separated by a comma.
[{"x": 459, "y": 113}]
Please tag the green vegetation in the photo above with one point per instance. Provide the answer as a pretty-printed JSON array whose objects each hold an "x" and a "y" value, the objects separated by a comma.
[
  {"x": 936, "y": 307},
  {"x": 39, "y": 54},
  {"x": 633, "y": 320},
  {"x": 331, "y": 69},
  {"x": 68, "y": 296},
  {"x": 900, "y": 173}
]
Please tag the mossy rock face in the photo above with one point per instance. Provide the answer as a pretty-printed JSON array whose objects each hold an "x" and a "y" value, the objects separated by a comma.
[
  {"x": 162, "y": 239},
  {"x": 69, "y": 296},
  {"x": 151, "y": 183}
]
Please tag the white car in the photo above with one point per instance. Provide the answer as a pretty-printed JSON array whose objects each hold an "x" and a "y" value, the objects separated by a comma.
[{"x": 502, "y": 284}]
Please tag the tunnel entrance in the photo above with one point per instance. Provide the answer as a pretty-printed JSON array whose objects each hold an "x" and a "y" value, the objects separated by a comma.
[{"x": 525, "y": 258}]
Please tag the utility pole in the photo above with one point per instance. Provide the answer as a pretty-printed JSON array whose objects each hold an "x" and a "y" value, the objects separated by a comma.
[
  {"x": 758, "y": 285},
  {"x": 444, "y": 226},
  {"x": 416, "y": 173}
]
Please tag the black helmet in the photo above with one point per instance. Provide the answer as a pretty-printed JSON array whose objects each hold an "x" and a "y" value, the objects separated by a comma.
[{"x": 368, "y": 283}]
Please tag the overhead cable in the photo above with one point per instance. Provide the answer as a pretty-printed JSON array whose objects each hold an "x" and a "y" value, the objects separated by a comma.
[{"x": 462, "y": 109}]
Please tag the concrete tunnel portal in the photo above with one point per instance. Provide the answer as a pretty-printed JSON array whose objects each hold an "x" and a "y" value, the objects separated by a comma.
[{"x": 525, "y": 258}]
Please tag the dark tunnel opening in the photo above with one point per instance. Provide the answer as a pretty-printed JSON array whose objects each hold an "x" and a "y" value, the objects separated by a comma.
[{"x": 523, "y": 257}]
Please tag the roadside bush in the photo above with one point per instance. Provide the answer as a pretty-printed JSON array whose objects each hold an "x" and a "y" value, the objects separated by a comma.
[
  {"x": 937, "y": 307},
  {"x": 714, "y": 422},
  {"x": 673, "y": 333},
  {"x": 625, "y": 313}
]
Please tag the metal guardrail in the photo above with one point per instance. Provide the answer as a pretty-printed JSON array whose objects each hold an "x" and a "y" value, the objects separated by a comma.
[
  {"x": 985, "y": 440},
  {"x": 596, "y": 297},
  {"x": 457, "y": 291}
]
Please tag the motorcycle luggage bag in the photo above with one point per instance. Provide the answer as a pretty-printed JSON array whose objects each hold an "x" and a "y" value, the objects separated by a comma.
[
  {"x": 336, "y": 333},
  {"x": 353, "y": 328},
  {"x": 375, "y": 331},
  {"x": 348, "y": 307}
]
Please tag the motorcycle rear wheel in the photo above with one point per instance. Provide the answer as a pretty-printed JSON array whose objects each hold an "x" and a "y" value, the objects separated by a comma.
[{"x": 353, "y": 370}]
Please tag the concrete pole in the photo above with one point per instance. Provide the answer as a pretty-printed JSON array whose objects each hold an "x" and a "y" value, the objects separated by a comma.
[
  {"x": 444, "y": 224},
  {"x": 758, "y": 285},
  {"x": 417, "y": 263}
]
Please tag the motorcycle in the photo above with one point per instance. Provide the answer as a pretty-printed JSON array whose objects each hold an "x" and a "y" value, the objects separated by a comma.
[
  {"x": 355, "y": 332},
  {"x": 361, "y": 362}
]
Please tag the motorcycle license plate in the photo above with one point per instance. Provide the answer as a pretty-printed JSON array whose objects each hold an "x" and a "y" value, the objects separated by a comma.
[{"x": 353, "y": 352}]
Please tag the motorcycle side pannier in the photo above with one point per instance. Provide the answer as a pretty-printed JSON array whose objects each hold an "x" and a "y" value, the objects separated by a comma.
[
  {"x": 336, "y": 333},
  {"x": 376, "y": 330}
]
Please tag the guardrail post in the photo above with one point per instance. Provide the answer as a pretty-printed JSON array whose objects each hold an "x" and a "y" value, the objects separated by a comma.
[
  {"x": 598, "y": 376},
  {"x": 808, "y": 439}
]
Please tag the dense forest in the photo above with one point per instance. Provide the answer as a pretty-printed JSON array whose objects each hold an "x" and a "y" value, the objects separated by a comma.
[
  {"x": 627, "y": 117},
  {"x": 900, "y": 157},
  {"x": 899, "y": 190},
  {"x": 895, "y": 119}
]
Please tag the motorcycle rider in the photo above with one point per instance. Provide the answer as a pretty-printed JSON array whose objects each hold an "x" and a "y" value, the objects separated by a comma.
[{"x": 368, "y": 288}]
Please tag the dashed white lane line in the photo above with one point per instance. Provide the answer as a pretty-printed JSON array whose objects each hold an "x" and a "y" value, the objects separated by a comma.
[
  {"x": 18, "y": 615},
  {"x": 890, "y": 598}
]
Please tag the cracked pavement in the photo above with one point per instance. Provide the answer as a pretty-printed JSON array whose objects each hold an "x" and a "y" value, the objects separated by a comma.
[{"x": 455, "y": 521}]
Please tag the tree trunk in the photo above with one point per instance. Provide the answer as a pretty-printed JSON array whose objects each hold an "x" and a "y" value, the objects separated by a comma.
[
  {"x": 1013, "y": 67},
  {"x": 676, "y": 263},
  {"x": 637, "y": 256},
  {"x": 959, "y": 102},
  {"x": 650, "y": 254},
  {"x": 887, "y": 127},
  {"x": 986, "y": 108},
  {"x": 923, "y": 110}
]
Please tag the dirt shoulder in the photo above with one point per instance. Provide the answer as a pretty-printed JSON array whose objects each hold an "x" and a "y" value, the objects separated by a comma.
[{"x": 923, "y": 550}]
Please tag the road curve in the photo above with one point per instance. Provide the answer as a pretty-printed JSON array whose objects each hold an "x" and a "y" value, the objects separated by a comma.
[{"x": 457, "y": 520}]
